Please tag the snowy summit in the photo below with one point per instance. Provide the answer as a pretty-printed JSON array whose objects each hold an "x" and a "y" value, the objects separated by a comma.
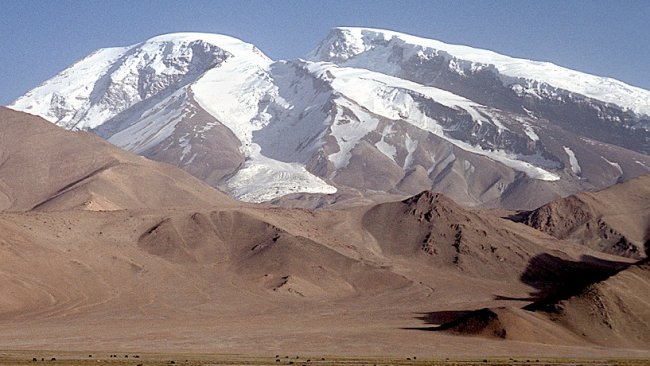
[{"x": 367, "y": 112}]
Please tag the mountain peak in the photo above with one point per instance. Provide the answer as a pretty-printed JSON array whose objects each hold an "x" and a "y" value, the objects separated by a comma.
[
  {"x": 111, "y": 80},
  {"x": 231, "y": 44},
  {"x": 340, "y": 44},
  {"x": 359, "y": 47},
  {"x": 193, "y": 36}
]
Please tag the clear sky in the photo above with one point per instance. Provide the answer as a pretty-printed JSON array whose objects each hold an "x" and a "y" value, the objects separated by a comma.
[{"x": 609, "y": 38}]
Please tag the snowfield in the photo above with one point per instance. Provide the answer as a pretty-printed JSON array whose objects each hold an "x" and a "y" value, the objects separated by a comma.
[
  {"x": 345, "y": 44},
  {"x": 294, "y": 126}
]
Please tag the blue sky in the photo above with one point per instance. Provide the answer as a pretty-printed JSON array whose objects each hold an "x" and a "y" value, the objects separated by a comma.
[{"x": 610, "y": 38}]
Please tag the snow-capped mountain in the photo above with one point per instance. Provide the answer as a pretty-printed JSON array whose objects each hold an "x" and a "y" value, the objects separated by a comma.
[
  {"x": 368, "y": 111},
  {"x": 387, "y": 51},
  {"x": 510, "y": 84},
  {"x": 152, "y": 98}
]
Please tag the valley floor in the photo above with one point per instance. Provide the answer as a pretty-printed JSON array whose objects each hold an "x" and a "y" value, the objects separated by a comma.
[
  {"x": 284, "y": 335},
  {"x": 184, "y": 359},
  {"x": 89, "y": 281}
]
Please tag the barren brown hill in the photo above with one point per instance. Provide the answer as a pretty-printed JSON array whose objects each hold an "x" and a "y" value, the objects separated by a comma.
[
  {"x": 45, "y": 167},
  {"x": 434, "y": 229},
  {"x": 601, "y": 302},
  {"x": 271, "y": 280},
  {"x": 615, "y": 220}
]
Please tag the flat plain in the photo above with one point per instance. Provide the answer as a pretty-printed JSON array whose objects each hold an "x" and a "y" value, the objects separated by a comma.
[{"x": 160, "y": 359}]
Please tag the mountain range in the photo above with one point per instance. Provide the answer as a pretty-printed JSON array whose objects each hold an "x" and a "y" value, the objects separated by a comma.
[{"x": 368, "y": 115}]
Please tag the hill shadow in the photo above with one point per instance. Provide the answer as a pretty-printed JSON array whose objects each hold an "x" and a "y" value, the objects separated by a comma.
[
  {"x": 554, "y": 278},
  {"x": 558, "y": 279},
  {"x": 446, "y": 320}
]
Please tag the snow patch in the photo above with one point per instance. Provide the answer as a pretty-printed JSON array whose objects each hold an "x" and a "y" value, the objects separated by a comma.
[
  {"x": 191, "y": 159},
  {"x": 495, "y": 121},
  {"x": 530, "y": 132},
  {"x": 469, "y": 168},
  {"x": 410, "y": 145},
  {"x": 348, "y": 131},
  {"x": 184, "y": 142},
  {"x": 500, "y": 126},
  {"x": 529, "y": 113},
  {"x": 384, "y": 147},
  {"x": 615, "y": 165},
  {"x": 511, "y": 160},
  {"x": 447, "y": 159},
  {"x": 573, "y": 161}
]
